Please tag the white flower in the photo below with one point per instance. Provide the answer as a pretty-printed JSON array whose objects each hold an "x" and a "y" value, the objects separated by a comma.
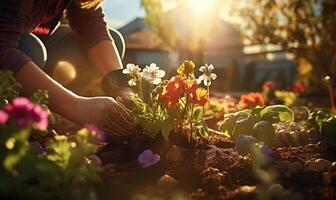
[
  {"x": 207, "y": 75},
  {"x": 134, "y": 71},
  {"x": 153, "y": 74}
]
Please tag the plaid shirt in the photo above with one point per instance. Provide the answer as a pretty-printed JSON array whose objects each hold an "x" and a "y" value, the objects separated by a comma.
[{"x": 41, "y": 17}]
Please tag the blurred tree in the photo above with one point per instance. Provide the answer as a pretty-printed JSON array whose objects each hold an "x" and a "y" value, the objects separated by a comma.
[
  {"x": 306, "y": 28},
  {"x": 159, "y": 21}
]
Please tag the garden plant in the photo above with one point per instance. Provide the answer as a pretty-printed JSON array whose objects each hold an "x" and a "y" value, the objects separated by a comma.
[{"x": 259, "y": 146}]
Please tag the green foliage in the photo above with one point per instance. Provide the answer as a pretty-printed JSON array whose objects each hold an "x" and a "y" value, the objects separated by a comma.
[
  {"x": 264, "y": 131},
  {"x": 57, "y": 171},
  {"x": 40, "y": 97},
  {"x": 9, "y": 87},
  {"x": 277, "y": 113},
  {"x": 324, "y": 122},
  {"x": 159, "y": 21},
  {"x": 257, "y": 122}
]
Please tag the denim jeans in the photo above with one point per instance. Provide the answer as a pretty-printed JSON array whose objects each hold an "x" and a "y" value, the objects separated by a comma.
[{"x": 63, "y": 45}]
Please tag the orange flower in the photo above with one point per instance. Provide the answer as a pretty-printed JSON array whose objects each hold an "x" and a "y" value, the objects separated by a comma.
[
  {"x": 169, "y": 101},
  {"x": 297, "y": 87},
  {"x": 176, "y": 86},
  {"x": 200, "y": 96},
  {"x": 268, "y": 85},
  {"x": 172, "y": 92},
  {"x": 251, "y": 100},
  {"x": 190, "y": 86}
]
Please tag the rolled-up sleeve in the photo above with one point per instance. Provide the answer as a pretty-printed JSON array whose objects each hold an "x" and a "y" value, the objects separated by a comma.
[
  {"x": 13, "y": 15},
  {"x": 88, "y": 24}
]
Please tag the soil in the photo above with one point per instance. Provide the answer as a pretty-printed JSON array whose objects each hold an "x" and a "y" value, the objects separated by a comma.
[
  {"x": 203, "y": 169},
  {"x": 210, "y": 169}
]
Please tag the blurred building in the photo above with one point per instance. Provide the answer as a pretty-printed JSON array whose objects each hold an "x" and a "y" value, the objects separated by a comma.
[
  {"x": 238, "y": 67},
  {"x": 143, "y": 46}
]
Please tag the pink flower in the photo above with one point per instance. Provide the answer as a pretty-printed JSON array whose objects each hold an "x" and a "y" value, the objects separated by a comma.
[
  {"x": 96, "y": 131},
  {"x": 25, "y": 114},
  {"x": 3, "y": 117}
]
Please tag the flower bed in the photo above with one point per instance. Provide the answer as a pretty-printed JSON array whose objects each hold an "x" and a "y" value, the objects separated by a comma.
[{"x": 249, "y": 150}]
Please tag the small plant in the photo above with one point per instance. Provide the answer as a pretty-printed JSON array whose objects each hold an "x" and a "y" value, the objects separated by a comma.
[
  {"x": 56, "y": 169},
  {"x": 324, "y": 121},
  {"x": 257, "y": 122},
  {"x": 9, "y": 87},
  {"x": 176, "y": 104}
]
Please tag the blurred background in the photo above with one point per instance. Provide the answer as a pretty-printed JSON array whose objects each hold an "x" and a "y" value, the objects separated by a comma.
[{"x": 248, "y": 41}]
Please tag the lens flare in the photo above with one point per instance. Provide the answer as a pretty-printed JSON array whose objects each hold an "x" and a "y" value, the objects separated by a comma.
[{"x": 64, "y": 72}]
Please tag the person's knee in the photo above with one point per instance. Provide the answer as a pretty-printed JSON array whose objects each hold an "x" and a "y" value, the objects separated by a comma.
[
  {"x": 34, "y": 48},
  {"x": 118, "y": 41}
]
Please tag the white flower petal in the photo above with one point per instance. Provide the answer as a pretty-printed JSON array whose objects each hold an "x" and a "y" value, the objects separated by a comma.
[
  {"x": 205, "y": 82},
  {"x": 202, "y": 69},
  {"x": 132, "y": 82},
  {"x": 213, "y": 76},
  {"x": 157, "y": 81},
  {"x": 202, "y": 77},
  {"x": 160, "y": 73},
  {"x": 125, "y": 71},
  {"x": 210, "y": 68}
]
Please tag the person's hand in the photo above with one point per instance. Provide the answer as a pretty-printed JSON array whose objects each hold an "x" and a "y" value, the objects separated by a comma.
[{"x": 106, "y": 113}]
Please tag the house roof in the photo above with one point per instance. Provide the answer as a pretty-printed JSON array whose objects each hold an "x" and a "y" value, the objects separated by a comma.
[{"x": 139, "y": 36}]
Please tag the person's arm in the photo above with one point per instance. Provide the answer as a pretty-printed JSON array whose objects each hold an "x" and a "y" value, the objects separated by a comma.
[
  {"x": 104, "y": 56},
  {"x": 61, "y": 100},
  {"x": 109, "y": 115},
  {"x": 90, "y": 27}
]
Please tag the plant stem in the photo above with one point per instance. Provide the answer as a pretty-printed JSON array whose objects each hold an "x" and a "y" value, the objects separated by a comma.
[
  {"x": 332, "y": 100},
  {"x": 140, "y": 90}
]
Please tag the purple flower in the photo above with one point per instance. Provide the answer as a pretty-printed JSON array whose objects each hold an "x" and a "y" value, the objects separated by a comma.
[
  {"x": 266, "y": 150},
  {"x": 96, "y": 132},
  {"x": 148, "y": 158},
  {"x": 25, "y": 113},
  {"x": 3, "y": 117}
]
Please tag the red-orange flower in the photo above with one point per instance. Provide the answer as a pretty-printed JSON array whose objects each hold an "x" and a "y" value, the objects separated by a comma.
[
  {"x": 169, "y": 101},
  {"x": 297, "y": 87},
  {"x": 269, "y": 85},
  {"x": 176, "y": 86},
  {"x": 190, "y": 86},
  {"x": 200, "y": 96},
  {"x": 251, "y": 100},
  {"x": 172, "y": 92}
]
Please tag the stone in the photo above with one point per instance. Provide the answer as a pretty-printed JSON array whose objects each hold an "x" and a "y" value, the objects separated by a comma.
[
  {"x": 323, "y": 164},
  {"x": 167, "y": 182}
]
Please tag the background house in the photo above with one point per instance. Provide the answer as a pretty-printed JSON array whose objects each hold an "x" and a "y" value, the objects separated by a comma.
[{"x": 238, "y": 67}]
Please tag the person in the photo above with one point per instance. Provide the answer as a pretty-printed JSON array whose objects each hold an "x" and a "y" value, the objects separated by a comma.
[{"x": 31, "y": 42}]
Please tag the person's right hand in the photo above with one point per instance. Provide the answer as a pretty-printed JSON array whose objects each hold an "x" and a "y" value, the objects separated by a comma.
[{"x": 110, "y": 116}]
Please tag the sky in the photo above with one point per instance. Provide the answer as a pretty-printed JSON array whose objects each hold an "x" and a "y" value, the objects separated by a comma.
[{"x": 120, "y": 12}]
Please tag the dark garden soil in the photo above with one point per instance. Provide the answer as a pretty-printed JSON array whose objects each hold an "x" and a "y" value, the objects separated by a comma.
[{"x": 212, "y": 169}]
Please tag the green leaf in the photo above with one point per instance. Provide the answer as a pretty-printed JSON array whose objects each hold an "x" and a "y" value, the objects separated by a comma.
[
  {"x": 167, "y": 127},
  {"x": 198, "y": 113},
  {"x": 277, "y": 113}
]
